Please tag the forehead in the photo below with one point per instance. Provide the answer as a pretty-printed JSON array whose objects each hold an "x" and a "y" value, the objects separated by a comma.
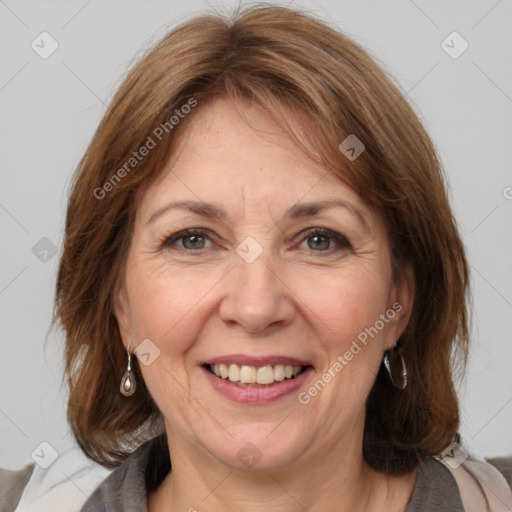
[{"x": 227, "y": 153}]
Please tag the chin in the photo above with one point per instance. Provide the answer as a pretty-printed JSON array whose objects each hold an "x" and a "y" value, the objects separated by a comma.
[{"x": 258, "y": 447}]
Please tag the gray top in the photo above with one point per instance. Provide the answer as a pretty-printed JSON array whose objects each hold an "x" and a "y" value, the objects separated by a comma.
[{"x": 127, "y": 488}]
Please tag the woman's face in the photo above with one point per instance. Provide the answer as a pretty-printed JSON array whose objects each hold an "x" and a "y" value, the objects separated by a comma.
[{"x": 282, "y": 265}]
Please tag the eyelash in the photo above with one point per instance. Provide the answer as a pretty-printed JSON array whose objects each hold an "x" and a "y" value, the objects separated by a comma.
[{"x": 168, "y": 240}]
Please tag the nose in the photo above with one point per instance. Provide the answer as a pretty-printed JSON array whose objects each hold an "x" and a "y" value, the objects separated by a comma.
[{"x": 258, "y": 299}]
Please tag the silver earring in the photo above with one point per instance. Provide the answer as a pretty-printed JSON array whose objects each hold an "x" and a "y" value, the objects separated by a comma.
[
  {"x": 128, "y": 384},
  {"x": 403, "y": 371}
]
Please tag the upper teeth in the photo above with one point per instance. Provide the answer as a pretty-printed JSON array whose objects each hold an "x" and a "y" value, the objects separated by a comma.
[{"x": 250, "y": 374}]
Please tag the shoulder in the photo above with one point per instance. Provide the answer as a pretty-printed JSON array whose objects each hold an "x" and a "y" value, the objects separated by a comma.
[
  {"x": 127, "y": 488},
  {"x": 12, "y": 484},
  {"x": 435, "y": 489},
  {"x": 452, "y": 486},
  {"x": 482, "y": 487}
]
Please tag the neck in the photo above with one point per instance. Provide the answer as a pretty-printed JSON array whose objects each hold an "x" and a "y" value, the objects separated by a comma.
[{"x": 337, "y": 475}]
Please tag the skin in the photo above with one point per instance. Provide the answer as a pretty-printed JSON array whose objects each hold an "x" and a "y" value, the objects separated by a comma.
[{"x": 307, "y": 303}]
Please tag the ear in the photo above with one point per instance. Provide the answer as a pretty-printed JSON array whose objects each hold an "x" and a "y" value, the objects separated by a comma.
[
  {"x": 121, "y": 306},
  {"x": 401, "y": 301}
]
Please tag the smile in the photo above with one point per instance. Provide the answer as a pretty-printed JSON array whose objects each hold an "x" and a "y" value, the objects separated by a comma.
[
  {"x": 256, "y": 380},
  {"x": 256, "y": 376}
]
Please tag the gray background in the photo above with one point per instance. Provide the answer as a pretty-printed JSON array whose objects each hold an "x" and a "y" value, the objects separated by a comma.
[{"x": 51, "y": 107}]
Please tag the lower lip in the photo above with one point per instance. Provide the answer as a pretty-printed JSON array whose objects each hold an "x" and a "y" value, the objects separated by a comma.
[{"x": 260, "y": 395}]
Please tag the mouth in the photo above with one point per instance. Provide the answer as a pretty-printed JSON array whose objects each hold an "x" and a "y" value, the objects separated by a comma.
[
  {"x": 256, "y": 380},
  {"x": 264, "y": 376}
]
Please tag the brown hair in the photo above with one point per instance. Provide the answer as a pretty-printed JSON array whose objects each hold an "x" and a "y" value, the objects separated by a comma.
[{"x": 280, "y": 59}]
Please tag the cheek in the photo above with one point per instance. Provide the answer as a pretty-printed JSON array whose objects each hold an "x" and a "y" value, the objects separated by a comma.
[
  {"x": 165, "y": 305},
  {"x": 343, "y": 305}
]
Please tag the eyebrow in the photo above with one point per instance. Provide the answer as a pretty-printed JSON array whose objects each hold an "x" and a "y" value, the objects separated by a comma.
[
  {"x": 299, "y": 210},
  {"x": 203, "y": 209}
]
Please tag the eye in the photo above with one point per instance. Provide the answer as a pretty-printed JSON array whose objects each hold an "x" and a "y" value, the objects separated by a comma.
[
  {"x": 189, "y": 239},
  {"x": 319, "y": 240},
  {"x": 193, "y": 241},
  {"x": 324, "y": 240}
]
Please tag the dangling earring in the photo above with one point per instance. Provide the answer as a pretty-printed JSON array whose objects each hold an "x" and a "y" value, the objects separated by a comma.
[
  {"x": 128, "y": 384},
  {"x": 403, "y": 371}
]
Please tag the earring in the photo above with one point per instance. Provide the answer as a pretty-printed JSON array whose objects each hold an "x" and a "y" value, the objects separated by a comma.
[
  {"x": 403, "y": 372},
  {"x": 128, "y": 384}
]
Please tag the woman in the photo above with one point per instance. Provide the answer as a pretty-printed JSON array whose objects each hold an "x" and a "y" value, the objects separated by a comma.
[{"x": 262, "y": 285}]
